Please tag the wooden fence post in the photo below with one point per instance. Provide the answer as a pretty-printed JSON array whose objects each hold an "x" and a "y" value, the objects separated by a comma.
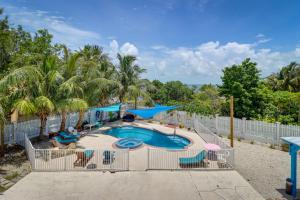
[{"x": 231, "y": 121}]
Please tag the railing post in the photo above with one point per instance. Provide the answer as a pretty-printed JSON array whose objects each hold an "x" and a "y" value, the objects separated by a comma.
[
  {"x": 128, "y": 159},
  {"x": 65, "y": 160},
  {"x": 243, "y": 127},
  {"x": 148, "y": 158},
  {"x": 277, "y": 133},
  {"x": 217, "y": 123}
]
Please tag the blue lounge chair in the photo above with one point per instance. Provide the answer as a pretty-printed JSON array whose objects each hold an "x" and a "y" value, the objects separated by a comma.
[
  {"x": 108, "y": 157},
  {"x": 196, "y": 161},
  {"x": 83, "y": 157},
  {"x": 64, "y": 141},
  {"x": 69, "y": 136}
]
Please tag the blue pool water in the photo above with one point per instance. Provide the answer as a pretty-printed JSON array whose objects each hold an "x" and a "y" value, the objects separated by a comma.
[{"x": 150, "y": 137}]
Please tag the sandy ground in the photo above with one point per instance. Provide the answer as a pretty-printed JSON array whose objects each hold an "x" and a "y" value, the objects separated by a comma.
[{"x": 264, "y": 168}]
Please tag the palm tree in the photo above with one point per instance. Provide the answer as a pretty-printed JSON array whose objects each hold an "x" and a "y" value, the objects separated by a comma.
[
  {"x": 78, "y": 105},
  {"x": 127, "y": 73},
  {"x": 44, "y": 107},
  {"x": 63, "y": 108},
  {"x": 135, "y": 91},
  {"x": 287, "y": 79},
  {"x": 100, "y": 90}
]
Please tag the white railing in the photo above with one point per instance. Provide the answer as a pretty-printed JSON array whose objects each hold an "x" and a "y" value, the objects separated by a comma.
[
  {"x": 30, "y": 151},
  {"x": 163, "y": 159},
  {"x": 196, "y": 159},
  {"x": 76, "y": 159}
]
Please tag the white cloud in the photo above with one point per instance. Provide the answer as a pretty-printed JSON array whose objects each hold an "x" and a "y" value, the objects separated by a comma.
[
  {"x": 126, "y": 49},
  {"x": 204, "y": 63},
  {"x": 129, "y": 49},
  {"x": 261, "y": 38},
  {"x": 58, "y": 26}
]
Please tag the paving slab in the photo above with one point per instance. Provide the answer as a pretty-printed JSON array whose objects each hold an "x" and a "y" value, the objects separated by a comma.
[{"x": 136, "y": 185}]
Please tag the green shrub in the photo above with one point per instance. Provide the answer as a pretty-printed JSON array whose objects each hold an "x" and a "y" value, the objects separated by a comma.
[
  {"x": 239, "y": 139},
  {"x": 285, "y": 147},
  {"x": 181, "y": 126},
  {"x": 252, "y": 142},
  {"x": 272, "y": 146},
  {"x": 11, "y": 176}
]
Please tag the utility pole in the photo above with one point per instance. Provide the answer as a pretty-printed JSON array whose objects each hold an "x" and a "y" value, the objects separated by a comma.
[{"x": 231, "y": 121}]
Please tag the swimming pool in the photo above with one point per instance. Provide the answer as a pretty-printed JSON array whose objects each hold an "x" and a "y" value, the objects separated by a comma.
[{"x": 150, "y": 137}]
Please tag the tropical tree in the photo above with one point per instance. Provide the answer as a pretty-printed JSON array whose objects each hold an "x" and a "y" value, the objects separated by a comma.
[
  {"x": 44, "y": 107},
  {"x": 242, "y": 82},
  {"x": 134, "y": 92},
  {"x": 128, "y": 73},
  {"x": 78, "y": 105},
  {"x": 288, "y": 78}
]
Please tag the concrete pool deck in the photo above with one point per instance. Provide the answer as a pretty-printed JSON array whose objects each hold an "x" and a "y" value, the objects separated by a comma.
[
  {"x": 137, "y": 157},
  {"x": 150, "y": 185}
]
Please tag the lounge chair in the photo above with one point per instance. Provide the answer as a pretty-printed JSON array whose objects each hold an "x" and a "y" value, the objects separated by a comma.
[
  {"x": 67, "y": 136},
  {"x": 108, "y": 157},
  {"x": 196, "y": 161},
  {"x": 64, "y": 141},
  {"x": 83, "y": 157}
]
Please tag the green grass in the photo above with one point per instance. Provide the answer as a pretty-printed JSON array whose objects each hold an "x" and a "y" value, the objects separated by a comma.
[{"x": 11, "y": 176}]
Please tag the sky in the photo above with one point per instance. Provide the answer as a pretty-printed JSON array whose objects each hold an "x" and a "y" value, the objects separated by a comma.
[{"x": 186, "y": 40}]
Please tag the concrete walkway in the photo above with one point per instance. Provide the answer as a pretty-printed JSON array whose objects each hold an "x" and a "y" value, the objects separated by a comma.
[{"x": 150, "y": 185}]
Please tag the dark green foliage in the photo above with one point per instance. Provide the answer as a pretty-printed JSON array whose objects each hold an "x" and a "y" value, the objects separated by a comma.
[{"x": 242, "y": 82}]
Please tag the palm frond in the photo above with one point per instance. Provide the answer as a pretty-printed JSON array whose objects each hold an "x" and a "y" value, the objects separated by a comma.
[{"x": 24, "y": 107}]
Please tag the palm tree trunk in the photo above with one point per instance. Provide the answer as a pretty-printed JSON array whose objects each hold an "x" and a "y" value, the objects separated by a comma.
[
  {"x": 63, "y": 120},
  {"x": 135, "y": 103},
  {"x": 2, "y": 139},
  {"x": 43, "y": 118},
  {"x": 80, "y": 120}
]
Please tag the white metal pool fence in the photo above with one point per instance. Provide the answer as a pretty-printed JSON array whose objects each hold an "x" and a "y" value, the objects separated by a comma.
[
  {"x": 76, "y": 159},
  {"x": 245, "y": 129},
  {"x": 171, "y": 160},
  {"x": 118, "y": 159}
]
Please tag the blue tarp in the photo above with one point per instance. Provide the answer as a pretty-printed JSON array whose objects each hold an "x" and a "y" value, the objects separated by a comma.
[
  {"x": 148, "y": 113},
  {"x": 112, "y": 108}
]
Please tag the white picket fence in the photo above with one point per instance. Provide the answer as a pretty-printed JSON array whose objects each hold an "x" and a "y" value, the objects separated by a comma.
[
  {"x": 246, "y": 129},
  {"x": 14, "y": 132}
]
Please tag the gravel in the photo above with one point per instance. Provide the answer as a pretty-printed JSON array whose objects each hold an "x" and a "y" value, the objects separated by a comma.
[{"x": 264, "y": 168}]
